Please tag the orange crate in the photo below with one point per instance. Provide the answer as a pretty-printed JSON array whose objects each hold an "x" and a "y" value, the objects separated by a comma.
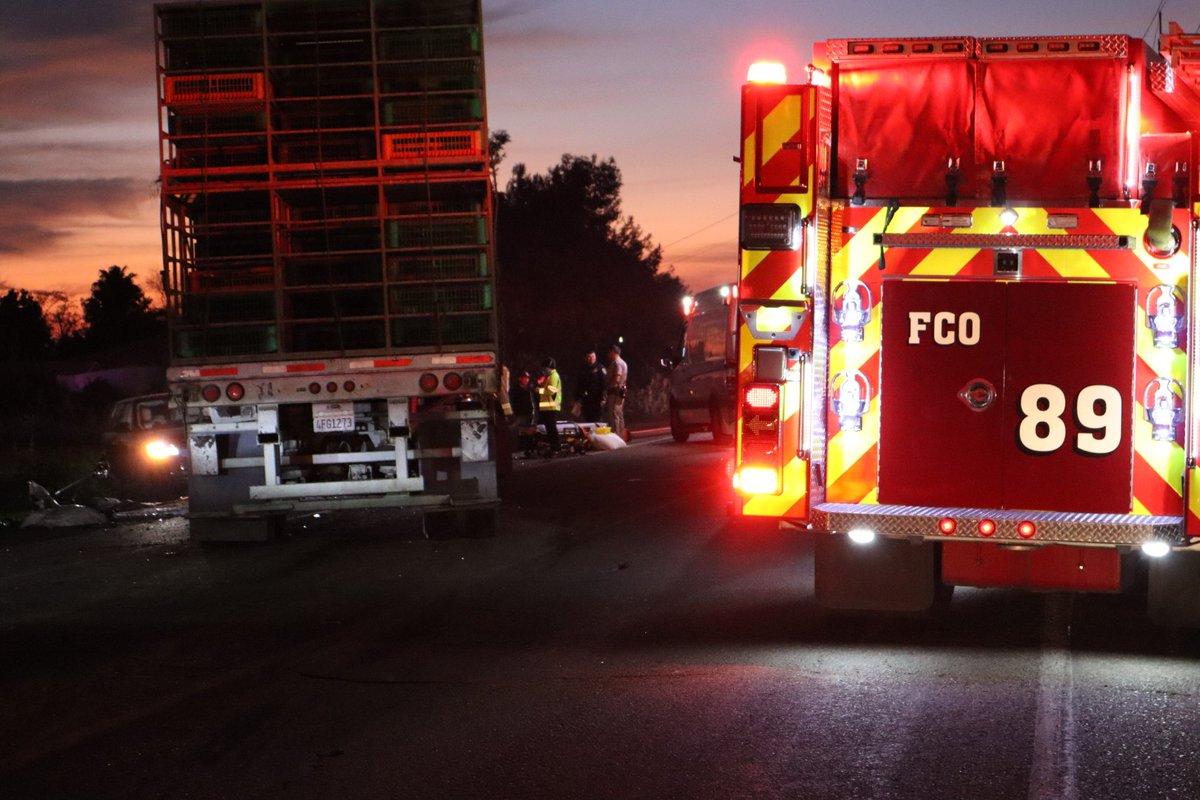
[
  {"x": 234, "y": 87},
  {"x": 431, "y": 145}
]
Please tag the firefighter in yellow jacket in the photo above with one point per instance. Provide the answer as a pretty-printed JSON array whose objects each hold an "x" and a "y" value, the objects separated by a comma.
[{"x": 549, "y": 402}]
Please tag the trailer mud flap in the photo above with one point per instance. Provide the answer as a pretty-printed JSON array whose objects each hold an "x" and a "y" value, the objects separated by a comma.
[{"x": 887, "y": 575}]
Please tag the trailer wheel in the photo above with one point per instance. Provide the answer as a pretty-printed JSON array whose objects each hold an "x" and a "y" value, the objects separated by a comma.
[
  {"x": 679, "y": 431},
  {"x": 1172, "y": 599}
]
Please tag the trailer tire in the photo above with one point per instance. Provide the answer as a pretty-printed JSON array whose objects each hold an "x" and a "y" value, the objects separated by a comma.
[
  {"x": 1172, "y": 599},
  {"x": 722, "y": 426},
  {"x": 679, "y": 431}
]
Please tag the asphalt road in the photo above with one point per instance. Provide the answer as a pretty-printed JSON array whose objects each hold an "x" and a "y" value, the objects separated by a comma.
[{"x": 617, "y": 640}]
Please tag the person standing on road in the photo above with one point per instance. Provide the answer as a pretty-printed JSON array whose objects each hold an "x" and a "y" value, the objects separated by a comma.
[
  {"x": 550, "y": 402},
  {"x": 615, "y": 390},
  {"x": 590, "y": 387},
  {"x": 523, "y": 401}
]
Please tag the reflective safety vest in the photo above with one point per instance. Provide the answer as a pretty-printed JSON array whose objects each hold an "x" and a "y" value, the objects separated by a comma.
[{"x": 550, "y": 393}]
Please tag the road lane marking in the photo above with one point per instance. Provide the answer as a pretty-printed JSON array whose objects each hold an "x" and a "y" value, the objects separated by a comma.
[{"x": 1052, "y": 775}]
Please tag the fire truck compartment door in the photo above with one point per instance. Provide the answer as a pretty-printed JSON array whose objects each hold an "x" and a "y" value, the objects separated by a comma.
[{"x": 1008, "y": 395}]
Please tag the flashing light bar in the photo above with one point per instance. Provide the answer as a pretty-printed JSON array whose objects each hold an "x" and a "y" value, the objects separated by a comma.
[{"x": 768, "y": 72}]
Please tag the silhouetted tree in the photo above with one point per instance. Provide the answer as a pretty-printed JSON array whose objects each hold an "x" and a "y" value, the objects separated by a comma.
[
  {"x": 575, "y": 273},
  {"x": 118, "y": 311},
  {"x": 24, "y": 333}
]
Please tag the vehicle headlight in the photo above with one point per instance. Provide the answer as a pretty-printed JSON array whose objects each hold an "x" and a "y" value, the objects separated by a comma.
[{"x": 160, "y": 450}]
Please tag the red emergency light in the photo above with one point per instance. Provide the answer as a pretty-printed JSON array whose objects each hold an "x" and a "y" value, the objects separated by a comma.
[{"x": 762, "y": 397}]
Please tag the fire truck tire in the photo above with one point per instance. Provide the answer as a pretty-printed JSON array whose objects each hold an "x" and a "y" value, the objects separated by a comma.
[
  {"x": 462, "y": 523},
  {"x": 887, "y": 575},
  {"x": 722, "y": 425},
  {"x": 235, "y": 529},
  {"x": 1171, "y": 599},
  {"x": 679, "y": 431}
]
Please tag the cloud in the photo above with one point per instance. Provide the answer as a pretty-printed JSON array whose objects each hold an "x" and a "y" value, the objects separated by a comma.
[{"x": 35, "y": 214}]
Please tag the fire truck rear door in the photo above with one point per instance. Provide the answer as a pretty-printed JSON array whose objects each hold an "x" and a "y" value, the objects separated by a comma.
[{"x": 1008, "y": 395}]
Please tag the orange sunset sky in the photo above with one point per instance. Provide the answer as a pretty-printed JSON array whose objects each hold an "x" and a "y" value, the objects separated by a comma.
[{"x": 652, "y": 84}]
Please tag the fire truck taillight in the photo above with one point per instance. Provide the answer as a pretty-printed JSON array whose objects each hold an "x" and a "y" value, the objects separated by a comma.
[
  {"x": 770, "y": 226},
  {"x": 757, "y": 480},
  {"x": 767, "y": 72},
  {"x": 761, "y": 450},
  {"x": 762, "y": 397}
]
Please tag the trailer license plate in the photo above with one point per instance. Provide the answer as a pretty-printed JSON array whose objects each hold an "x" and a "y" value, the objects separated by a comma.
[{"x": 333, "y": 417}]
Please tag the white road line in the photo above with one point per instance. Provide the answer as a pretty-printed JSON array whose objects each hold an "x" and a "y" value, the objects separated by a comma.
[{"x": 1052, "y": 774}]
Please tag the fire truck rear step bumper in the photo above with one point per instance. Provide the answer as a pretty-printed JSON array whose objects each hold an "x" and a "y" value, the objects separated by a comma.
[{"x": 1053, "y": 527}]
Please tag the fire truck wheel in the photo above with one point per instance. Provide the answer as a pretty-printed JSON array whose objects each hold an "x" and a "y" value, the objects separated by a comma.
[
  {"x": 679, "y": 431},
  {"x": 1171, "y": 598}
]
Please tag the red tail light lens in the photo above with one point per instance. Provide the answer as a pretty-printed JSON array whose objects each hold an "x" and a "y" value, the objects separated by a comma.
[
  {"x": 331, "y": 387},
  {"x": 452, "y": 381},
  {"x": 947, "y": 526},
  {"x": 235, "y": 391},
  {"x": 211, "y": 393},
  {"x": 987, "y": 527},
  {"x": 1026, "y": 529},
  {"x": 762, "y": 396},
  {"x": 314, "y": 388},
  {"x": 428, "y": 382},
  {"x": 348, "y": 386}
]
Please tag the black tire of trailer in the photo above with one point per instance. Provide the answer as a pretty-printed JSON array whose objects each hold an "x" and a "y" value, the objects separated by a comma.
[
  {"x": 1173, "y": 590},
  {"x": 720, "y": 419},
  {"x": 461, "y": 523},
  {"x": 679, "y": 432},
  {"x": 235, "y": 530}
]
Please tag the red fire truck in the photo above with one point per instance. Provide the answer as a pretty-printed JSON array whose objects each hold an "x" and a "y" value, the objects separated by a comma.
[{"x": 967, "y": 330}]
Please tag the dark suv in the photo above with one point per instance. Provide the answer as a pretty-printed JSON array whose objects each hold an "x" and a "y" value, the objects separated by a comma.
[{"x": 145, "y": 445}]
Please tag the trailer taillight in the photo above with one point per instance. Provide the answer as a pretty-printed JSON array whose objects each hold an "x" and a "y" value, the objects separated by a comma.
[
  {"x": 211, "y": 393},
  {"x": 428, "y": 382},
  {"x": 452, "y": 381},
  {"x": 235, "y": 391}
]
